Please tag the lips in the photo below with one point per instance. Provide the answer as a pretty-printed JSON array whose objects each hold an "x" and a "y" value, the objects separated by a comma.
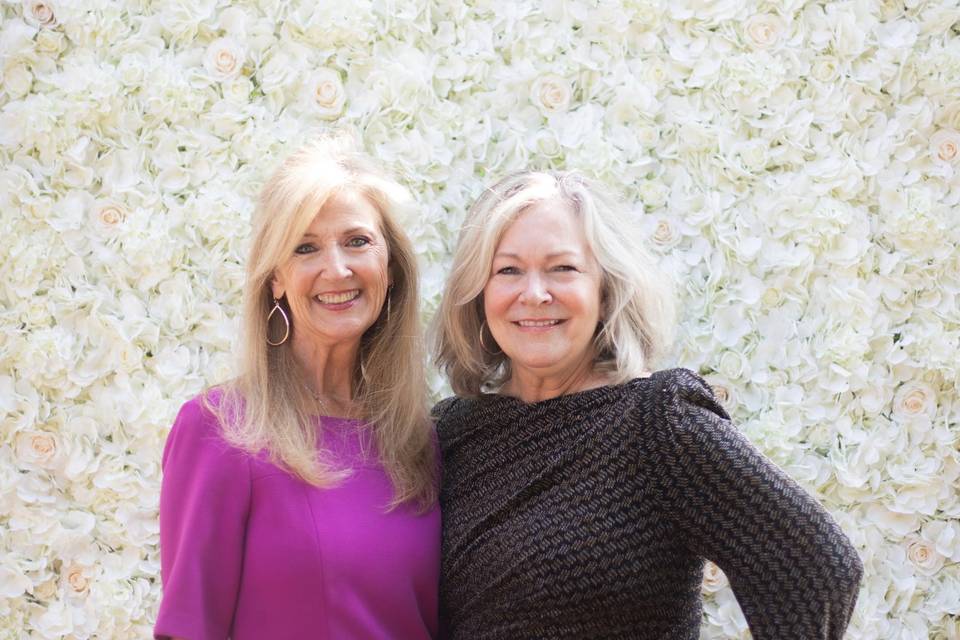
[
  {"x": 338, "y": 297},
  {"x": 537, "y": 324}
]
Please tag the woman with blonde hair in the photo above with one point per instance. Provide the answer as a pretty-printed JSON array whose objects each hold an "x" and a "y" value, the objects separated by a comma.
[
  {"x": 581, "y": 495},
  {"x": 299, "y": 499}
]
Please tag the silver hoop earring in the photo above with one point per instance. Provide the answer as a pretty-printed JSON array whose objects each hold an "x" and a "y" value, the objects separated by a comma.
[
  {"x": 484, "y": 346},
  {"x": 389, "y": 298},
  {"x": 286, "y": 323}
]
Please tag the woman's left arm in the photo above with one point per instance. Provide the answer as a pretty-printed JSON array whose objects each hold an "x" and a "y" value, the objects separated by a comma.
[{"x": 793, "y": 570}]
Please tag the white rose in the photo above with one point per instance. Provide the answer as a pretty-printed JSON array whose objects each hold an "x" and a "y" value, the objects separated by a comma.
[
  {"x": 713, "y": 578},
  {"x": 723, "y": 391},
  {"x": 224, "y": 58},
  {"x": 647, "y": 134},
  {"x": 945, "y": 146},
  {"x": 733, "y": 365},
  {"x": 914, "y": 399},
  {"x": 36, "y": 447},
  {"x": 108, "y": 215},
  {"x": 653, "y": 194},
  {"x": 764, "y": 30},
  {"x": 551, "y": 93},
  {"x": 39, "y": 13},
  {"x": 664, "y": 233},
  {"x": 238, "y": 90},
  {"x": 327, "y": 92},
  {"x": 949, "y": 116},
  {"x": 924, "y": 557},
  {"x": 544, "y": 144},
  {"x": 753, "y": 154},
  {"x": 46, "y": 590},
  {"x": 76, "y": 579},
  {"x": 825, "y": 69}
]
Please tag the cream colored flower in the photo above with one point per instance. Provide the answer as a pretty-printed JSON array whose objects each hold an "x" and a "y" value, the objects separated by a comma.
[
  {"x": 924, "y": 557},
  {"x": 763, "y": 30},
  {"x": 713, "y": 578},
  {"x": 40, "y": 13},
  {"x": 945, "y": 146},
  {"x": 544, "y": 144},
  {"x": 327, "y": 93},
  {"x": 36, "y": 447},
  {"x": 46, "y": 590},
  {"x": 949, "y": 115},
  {"x": 551, "y": 93},
  {"x": 825, "y": 69},
  {"x": 224, "y": 58},
  {"x": 108, "y": 214},
  {"x": 76, "y": 579},
  {"x": 665, "y": 234},
  {"x": 914, "y": 399},
  {"x": 653, "y": 194}
]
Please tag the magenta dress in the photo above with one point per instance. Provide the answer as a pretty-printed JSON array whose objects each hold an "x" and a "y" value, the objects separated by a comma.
[{"x": 249, "y": 551}]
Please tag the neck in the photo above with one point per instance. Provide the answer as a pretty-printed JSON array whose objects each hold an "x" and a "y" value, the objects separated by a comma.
[
  {"x": 328, "y": 373},
  {"x": 531, "y": 385}
]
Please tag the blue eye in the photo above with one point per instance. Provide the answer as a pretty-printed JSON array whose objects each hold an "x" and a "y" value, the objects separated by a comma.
[
  {"x": 566, "y": 267},
  {"x": 358, "y": 241},
  {"x": 304, "y": 248},
  {"x": 508, "y": 271}
]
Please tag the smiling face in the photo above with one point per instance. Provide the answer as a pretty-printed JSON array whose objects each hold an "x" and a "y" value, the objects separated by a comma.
[
  {"x": 336, "y": 279},
  {"x": 542, "y": 301}
]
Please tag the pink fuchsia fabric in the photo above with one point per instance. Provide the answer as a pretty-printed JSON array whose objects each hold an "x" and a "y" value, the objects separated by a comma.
[{"x": 249, "y": 551}]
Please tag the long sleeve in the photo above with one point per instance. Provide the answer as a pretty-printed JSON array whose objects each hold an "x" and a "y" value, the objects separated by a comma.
[
  {"x": 794, "y": 572},
  {"x": 204, "y": 502}
]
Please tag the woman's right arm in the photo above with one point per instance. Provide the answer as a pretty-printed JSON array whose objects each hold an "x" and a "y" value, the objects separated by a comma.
[{"x": 204, "y": 501}]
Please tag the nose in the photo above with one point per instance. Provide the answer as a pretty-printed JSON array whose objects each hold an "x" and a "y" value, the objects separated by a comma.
[
  {"x": 334, "y": 264},
  {"x": 534, "y": 292}
]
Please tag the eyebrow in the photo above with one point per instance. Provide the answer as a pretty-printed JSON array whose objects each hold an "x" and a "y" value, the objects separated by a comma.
[
  {"x": 550, "y": 256},
  {"x": 345, "y": 232}
]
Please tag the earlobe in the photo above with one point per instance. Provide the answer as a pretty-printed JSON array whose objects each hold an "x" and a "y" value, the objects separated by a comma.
[{"x": 276, "y": 288}]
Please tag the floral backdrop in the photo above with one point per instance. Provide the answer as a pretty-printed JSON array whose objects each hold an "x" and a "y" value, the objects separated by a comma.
[{"x": 794, "y": 163}]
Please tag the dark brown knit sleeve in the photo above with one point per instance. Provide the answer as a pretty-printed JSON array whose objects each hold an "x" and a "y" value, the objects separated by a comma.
[{"x": 794, "y": 572}]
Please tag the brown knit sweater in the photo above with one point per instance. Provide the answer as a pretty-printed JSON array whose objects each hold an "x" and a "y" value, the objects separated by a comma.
[{"x": 590, "y": 516}]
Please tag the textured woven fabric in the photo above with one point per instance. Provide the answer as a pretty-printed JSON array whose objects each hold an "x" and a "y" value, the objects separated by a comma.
[{"x": 590, "y": 516}]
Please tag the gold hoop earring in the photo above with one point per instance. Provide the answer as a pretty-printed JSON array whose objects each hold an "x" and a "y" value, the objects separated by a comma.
[
  {"x": 484, "y": 346},
  {"x": 286, "y": 323}
]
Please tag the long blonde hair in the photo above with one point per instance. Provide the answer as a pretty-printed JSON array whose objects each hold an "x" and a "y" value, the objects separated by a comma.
[
  {"x": 637, "y": 312},
  {"x": 268, "y": 407}
]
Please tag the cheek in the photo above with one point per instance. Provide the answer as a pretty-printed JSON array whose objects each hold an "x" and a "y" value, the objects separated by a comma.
[{"x": 493, "y": 302}]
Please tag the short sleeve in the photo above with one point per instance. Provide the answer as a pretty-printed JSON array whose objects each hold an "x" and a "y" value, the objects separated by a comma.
[
  {"x": 794, "y": 572},
  {"x": 204, "y": 501}
]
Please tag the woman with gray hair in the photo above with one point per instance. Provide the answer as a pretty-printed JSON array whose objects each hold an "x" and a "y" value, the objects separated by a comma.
[
  {"x": 299, "y": 499},
  {"x": 581, "y": 495}
]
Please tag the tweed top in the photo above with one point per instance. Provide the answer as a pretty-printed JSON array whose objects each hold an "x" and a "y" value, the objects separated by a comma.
[{"x": 590, "y": 515}]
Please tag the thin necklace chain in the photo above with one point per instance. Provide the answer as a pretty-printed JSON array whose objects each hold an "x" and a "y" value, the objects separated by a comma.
[{"x": 316, "y": 396}]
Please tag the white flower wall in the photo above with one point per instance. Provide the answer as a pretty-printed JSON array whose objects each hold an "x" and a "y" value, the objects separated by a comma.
[{"x": 795, "y": 163}]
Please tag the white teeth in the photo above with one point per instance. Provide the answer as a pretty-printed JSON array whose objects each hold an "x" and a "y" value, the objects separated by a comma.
[
  {"x": 337, "y": 298},
  {"x": 538, "y": 323}
]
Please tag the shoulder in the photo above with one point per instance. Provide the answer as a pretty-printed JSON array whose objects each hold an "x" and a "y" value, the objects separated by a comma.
[
  {"x": 197, "y": 430},
  {"x": 684, "y": 390},
  {"x": 674, "y": 407},
  {"x": 450, "y": 414}
]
